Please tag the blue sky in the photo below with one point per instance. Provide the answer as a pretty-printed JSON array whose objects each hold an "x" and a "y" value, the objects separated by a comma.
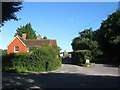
[{"x": 59, "y": 20}]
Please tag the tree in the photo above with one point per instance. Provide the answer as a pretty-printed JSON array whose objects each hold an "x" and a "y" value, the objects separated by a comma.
[
  {"x": 80, "y": 44},
  {"x": 83, "y": 41},
  {"x": 109, "y": 35},
  {"x": 44, "y": 37},
  {"x": 8, "y": 11},
  {"x": 30, "y": 33},
  {"x": 87, "y": 41},
  {"x": 87, "y": 33}
]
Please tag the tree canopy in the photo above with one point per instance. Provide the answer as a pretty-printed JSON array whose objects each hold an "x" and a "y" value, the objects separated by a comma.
[
  {"x": 8, "y": 11},
  {"x": 87, "y": 33},
  {"x": 44, "y": 37},
  {"x": 109, "y": 34},
  {"x": 105, "y": 39},
  {"x": 30, "y": 33},
  {"x": 86, "y": 41}
]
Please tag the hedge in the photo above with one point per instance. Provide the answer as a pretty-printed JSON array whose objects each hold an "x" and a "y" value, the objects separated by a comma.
[
  {"x": 80, "y": 56},
  {"x": 15, "y": 62},
  {"x": 40, "y": 59}
]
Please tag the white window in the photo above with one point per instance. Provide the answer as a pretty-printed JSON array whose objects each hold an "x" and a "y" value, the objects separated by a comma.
[
  {"x": 16, "y": 48},
  {"x": 27, "y": 49}
]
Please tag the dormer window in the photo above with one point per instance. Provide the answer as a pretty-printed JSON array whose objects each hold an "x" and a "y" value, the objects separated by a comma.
[{"x": 16, "y": 48}]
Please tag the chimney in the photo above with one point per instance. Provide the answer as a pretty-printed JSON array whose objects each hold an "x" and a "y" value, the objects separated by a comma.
[
  {"x": 38, "y": 37},
  {"x": 24, "y": 36}
]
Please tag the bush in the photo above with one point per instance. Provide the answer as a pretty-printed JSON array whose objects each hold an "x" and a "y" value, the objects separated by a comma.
[
  {"x": 40, "y": 59},
  {"x": 42, "y": 55},
  {"x": 80, "y": 56},
  {"x": 21, "y": 70},
  {"x": 54, "y": 64},
  {"x": 13, "y": 61},
  {"x": 4, "y": 53}
]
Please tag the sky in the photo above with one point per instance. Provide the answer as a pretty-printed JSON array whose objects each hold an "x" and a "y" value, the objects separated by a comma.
[{"x": 58, "y": 20}]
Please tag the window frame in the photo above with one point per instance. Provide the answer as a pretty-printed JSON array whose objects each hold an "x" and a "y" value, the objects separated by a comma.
[{"x": 15, "y": 48}]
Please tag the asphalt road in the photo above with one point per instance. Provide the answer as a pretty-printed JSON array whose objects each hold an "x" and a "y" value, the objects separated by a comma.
[
  {"x": 95, "y": 69},
  {"x": 67, "y": 76}
]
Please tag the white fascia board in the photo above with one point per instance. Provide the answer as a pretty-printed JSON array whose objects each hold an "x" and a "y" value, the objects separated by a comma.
[{"x": 18, "y": 39}]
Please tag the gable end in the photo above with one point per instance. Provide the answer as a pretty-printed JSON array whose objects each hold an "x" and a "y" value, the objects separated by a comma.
[{"x": 18, "y": 39}]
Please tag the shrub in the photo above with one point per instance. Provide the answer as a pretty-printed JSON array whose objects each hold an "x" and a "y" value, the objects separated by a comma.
[
  {"x": 80, "y": 56},
  {"x": 54, "y": 64},
  {"x": 35, "y": 61},
  {"x": 42, "y": 55},
  {"x": 13, "y": 61},
  {"x": 20, "y": 70},
  {"x": 4, "y": 52}
]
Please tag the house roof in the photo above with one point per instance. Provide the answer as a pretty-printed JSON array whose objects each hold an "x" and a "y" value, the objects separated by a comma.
[{"x": 33, "y": 42}]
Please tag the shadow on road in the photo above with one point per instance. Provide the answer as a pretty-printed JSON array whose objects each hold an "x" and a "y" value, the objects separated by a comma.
[
  {"x": 106, "y": 63},
  {"x": 67, "y": 60},
  {"x": 42, "y": 81}
]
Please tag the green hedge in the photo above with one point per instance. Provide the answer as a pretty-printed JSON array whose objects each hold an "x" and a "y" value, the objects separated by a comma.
[
  {"x": 15, "y": 62},
  {"x": 80, "y": 56},
  {"x": 40, "y": 59}
]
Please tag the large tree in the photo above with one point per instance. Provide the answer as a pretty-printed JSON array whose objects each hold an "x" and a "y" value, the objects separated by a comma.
[
  {"x": 26, "y": 29},
  {"x": 87, "y": 33},
  {"x": 86, "y": 41},
  {"x": 109, "y": 35},
  {"x": 8, "y": 11}
]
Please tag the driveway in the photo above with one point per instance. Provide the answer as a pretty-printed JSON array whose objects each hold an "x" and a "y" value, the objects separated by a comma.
[
  {"x": 67, "y": 76},
  {"x": 95, "y": 69}
]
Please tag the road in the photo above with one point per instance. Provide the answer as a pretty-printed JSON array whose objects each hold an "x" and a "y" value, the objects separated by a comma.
[
  {"x": 95, "y": 69},
  {"x": 67, "y": 76}
]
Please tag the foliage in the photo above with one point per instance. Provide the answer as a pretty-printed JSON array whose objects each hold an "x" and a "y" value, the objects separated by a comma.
[
  {"x": 30, "y": 33},
  {"x": 20, "y": 70},
  {"x": 4, "y": 52},
  {"x": 80, "y": 44},
  {"x": 108, "y": 35},
  {"x": 44, "y": 37},
  {"x": 9, "y": 9},
  {"x": 42, "y": 55},
  {"x": 87, "y": 41},
  {"x": 14, "y": 62},
  {"x": 35, "y": 61},
  {"x": 105, "y": 39},
  {"x": 80, "y": 56},
  {"x": 87, "y": 33}
]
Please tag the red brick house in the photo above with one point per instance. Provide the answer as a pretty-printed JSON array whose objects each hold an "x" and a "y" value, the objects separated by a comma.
[{"x": 21, "y": 44}]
